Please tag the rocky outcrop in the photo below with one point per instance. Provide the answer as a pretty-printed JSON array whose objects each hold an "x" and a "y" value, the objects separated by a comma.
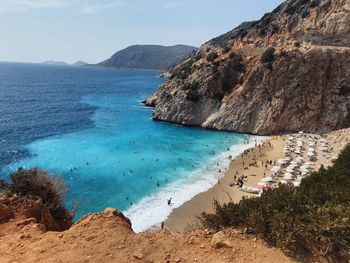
[
  {"x": 288, "y": 71},
  {"x": 21, "y": 209}
]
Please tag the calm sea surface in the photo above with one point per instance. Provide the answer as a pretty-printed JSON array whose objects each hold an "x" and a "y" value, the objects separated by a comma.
[{"x": 88, "y": 124}]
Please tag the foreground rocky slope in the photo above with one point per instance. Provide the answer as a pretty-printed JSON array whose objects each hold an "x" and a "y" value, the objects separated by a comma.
[
  {"x": 108, "y": 237},
  {"x": 288, "y": 71}
]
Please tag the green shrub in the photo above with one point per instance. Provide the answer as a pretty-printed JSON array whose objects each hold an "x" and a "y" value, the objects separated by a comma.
[
  {"x": 193, "y": 96},
  {"x": 39, "y": 183},
  {"x": 311, "y": 220},
  {"x": 212, "y": 56},
  {"x": 268, "y": 56},
  {"x": 191, "y": 86},
  {"x": 297, "y": 44}
]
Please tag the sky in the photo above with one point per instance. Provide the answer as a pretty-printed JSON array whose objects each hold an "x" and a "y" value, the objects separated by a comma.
[{"x": 93, "y": 30}]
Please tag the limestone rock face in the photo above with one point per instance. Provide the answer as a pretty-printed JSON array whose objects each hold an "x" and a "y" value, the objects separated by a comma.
[{"x": 233, "y": 83}]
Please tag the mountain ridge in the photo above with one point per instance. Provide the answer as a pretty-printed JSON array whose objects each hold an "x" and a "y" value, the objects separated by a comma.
[{"x": 148, "y": 57}]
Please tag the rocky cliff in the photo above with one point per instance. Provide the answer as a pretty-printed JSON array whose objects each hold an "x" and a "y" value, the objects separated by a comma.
[{"x": 289, "y": 71}]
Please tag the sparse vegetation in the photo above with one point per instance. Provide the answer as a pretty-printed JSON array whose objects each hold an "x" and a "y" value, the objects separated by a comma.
[
  {"x": 192, "y": 95},
  {"x": 297, "y": 44},
  {"x": 191, "y": 86},
  {"x": 268, "y": 56},
  {"x": 39, "y": 183},
  {"x": 212, "y": 56},
  {"x": 313, "y": 219}
]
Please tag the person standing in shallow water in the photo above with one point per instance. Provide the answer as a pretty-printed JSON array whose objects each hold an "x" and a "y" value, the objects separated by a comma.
[{"x": 169, "y": 201}]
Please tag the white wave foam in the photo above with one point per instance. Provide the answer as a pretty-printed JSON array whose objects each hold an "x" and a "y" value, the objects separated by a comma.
[{"x": 152, "y": 210}]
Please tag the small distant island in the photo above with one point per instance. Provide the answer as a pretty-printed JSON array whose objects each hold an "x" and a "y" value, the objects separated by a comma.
[
  {"x": 80, "y": 63},
  {"x": 52, "y": 62},
  {"x": 148, "y": 57}
]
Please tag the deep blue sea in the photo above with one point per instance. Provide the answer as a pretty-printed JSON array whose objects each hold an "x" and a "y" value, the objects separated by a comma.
[{"x": 88, "y": 124}]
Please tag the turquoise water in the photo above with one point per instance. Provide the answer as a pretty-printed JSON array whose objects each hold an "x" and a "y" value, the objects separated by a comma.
[{"x": 116, "y": 156}]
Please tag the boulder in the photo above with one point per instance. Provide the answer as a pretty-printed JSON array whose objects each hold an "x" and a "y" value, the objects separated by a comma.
[{"x": 220, "y": 240}]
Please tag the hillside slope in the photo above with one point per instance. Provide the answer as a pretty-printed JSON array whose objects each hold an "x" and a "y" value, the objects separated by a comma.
[
  {"x": 108, "y": 237},
  {"x": 288, "y": 71},
  {"x": 148, "y": 57}
]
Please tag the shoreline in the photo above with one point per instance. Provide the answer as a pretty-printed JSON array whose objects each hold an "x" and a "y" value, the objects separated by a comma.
[
  {"x": 155, "y": 208},
  {"x": 184, "y": 218}
]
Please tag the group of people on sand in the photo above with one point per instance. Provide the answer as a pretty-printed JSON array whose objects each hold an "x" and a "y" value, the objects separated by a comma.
[{"x": 238, "y": 180}]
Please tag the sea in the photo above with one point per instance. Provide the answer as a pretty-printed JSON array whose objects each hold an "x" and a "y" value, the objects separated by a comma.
[{"x": 88, "y": 125}]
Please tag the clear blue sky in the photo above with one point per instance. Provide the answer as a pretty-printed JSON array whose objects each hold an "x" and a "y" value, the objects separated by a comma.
[{"x": 92, "y": 30}]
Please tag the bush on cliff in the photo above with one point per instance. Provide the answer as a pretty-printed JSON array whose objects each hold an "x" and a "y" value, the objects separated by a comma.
[
  {"x": 268, "y": 56},
  {"x": 39, "y": 183},
  {"x": 212, "y": 56},
  {"x": 313, "y": 219}
]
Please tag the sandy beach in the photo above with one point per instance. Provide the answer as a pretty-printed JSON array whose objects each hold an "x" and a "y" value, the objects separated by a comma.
[{"x": 184, "y": 218}]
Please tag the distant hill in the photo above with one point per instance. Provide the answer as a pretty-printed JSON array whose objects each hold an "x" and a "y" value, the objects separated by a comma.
[
  {"x": 80, "y": 63},
  {"x": 148, "y": 57},
  {"x": 51, "y": 62}
]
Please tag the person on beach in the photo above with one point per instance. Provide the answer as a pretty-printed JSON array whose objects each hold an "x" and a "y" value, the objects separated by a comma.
[
  {"x": 169, "y": 201},
  {"x": 240, "y": 182},
  {"x": 162, "y": 225}
]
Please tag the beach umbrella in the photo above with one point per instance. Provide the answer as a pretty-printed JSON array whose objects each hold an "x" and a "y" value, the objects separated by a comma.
[
  {"x": 281, "y": 161},
  {"x": 290, "y": 170},
  {"x": 310, "y": 163},
  {"x": 275, "y": 169},
  {"x": 299, "y": 159},
  {"x": 304, "y": 173},
  {"x": 283, "y": 182},
  {"x": 306, "y": 166},
  {"x": 298, "y": 179},
  {"x": 288, "y": 176},
  {"x": 268, "y": 179},
  {"x": 296, "y": 184},
  {"x": 264, "y": 184},
  {"x": 311, "y": 150}
]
